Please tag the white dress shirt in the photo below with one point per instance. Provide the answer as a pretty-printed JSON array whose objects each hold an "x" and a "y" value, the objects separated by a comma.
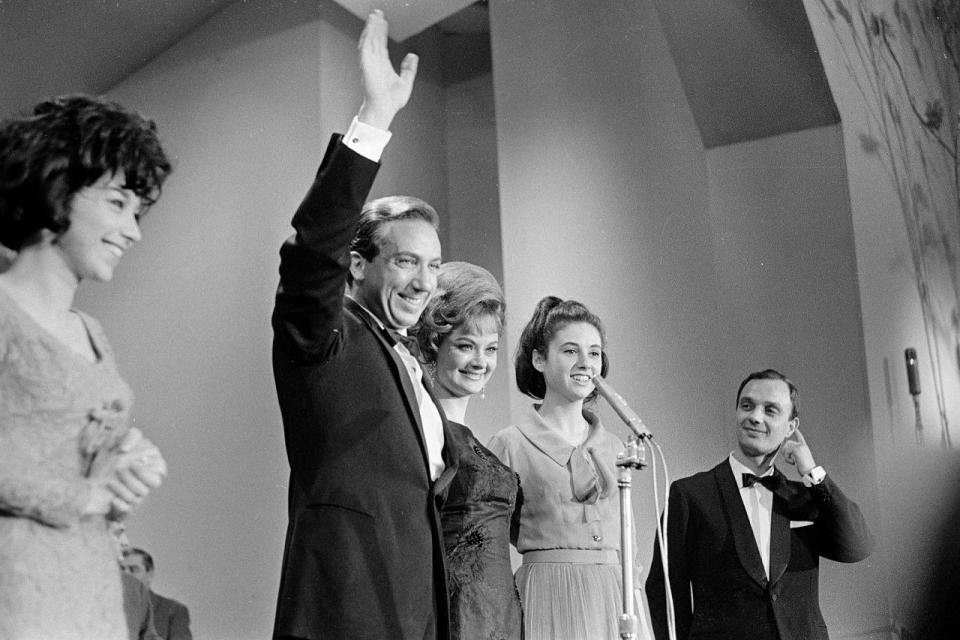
[
  {"x": 758, "y": 503},
  {"x": 429, "y": 414}
]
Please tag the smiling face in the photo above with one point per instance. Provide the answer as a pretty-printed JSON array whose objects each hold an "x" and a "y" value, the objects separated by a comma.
[
  {"x": 763, "y": 417},
  {"x": 396, "y": 284},
  {"x": 573, "y": 358},
  {"x": 103, "y": 225},
  {"x": 467, "y": 357}
]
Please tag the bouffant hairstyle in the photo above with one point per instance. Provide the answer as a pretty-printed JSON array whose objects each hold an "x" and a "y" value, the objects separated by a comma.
[
  {"x": 551, "y": 315},
  {"x": 66, "y": 144},
  {"x": 773, "y": 374},
  {"x": 377, "y": 213},
  {"x": 465, "y": 293}
]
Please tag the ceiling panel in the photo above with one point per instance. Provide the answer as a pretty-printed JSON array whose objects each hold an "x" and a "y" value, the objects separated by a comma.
[
  {"x": 406, "y": 17},
  {"x": 750, "y": 68},
  {"x": 51, "y": 47},
  {"x": 63, "y": 46}
]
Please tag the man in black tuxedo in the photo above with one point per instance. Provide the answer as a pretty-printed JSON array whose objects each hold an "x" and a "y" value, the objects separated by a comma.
[
  {"x": 744, "y": 543},
  {"x": 363, "y": 556}
]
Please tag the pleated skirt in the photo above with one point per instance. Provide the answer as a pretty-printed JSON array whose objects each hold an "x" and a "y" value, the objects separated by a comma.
[{"x": 570, "y": 601}]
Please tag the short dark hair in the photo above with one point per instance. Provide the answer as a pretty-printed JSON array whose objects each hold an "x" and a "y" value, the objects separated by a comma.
[
  {"x": 773, "y": 374},
  {"x": 136, "y": 551},
  {"x": 551, "y": 315},
  {"x": 66, "y": 144},
  {"x": 465, "y": 293},
  {"x": 377, "y": 213}
]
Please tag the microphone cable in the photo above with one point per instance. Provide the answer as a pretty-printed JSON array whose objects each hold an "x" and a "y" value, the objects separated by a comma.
[{"x": 662, "y": 537}]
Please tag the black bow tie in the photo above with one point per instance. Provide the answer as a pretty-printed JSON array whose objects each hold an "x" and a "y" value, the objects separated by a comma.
[
  {"x": 395, "y": 337},
  {"x": 770, "y": 482}
]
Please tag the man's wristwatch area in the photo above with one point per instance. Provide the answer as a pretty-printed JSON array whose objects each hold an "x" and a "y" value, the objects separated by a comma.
[{"x": 813, "y": 477}]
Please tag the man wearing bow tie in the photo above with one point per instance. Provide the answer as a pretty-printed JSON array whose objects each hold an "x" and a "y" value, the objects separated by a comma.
[
  {"x": 364, "y": 548},
  {"x": 744, "y": 542}
]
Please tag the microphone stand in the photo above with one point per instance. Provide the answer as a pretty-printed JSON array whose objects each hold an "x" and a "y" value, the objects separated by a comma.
[
  {"x": 633, "y": 457},
  {"x": 918, "y": 420}
]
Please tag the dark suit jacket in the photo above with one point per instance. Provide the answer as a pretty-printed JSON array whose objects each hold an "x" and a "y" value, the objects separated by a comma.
[
  {"x": 138, "y": 609},
  {"x": 364, "y": 552},
  {"x": 713, "y": 554},
  {"x": 171, "y": 618}
]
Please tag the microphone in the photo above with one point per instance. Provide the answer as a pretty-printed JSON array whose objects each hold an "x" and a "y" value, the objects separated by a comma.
[
  {"x": 913, "y": 376},
  {"x": 913, "y": 383},
  {"x": 622, "y": 409}
]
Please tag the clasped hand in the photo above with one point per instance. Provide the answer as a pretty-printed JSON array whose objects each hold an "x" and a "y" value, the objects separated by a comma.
[{"x": 123, "y": 476}]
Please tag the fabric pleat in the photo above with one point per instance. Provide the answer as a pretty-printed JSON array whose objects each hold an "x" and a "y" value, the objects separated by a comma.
[{"x": 570, "y": 601}]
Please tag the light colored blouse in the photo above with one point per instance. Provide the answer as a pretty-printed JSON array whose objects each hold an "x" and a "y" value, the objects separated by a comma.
[{"x": 569, "y": 492}]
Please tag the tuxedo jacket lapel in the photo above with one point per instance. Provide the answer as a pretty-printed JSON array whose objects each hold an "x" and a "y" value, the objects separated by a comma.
[
  {"x": 399, "y": 372},
  {"x": 740, "y": 528},
  {"x": 779, "y": 534}
]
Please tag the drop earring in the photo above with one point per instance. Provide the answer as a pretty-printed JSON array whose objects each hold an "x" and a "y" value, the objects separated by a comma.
[{"x": 483, "y": 392}]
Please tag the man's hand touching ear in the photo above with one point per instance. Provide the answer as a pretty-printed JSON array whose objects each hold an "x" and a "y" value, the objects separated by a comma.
[{"x": 796, "y": 452}]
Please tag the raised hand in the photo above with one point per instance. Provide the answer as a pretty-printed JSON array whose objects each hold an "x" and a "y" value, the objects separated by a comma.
[
  {"x": 385, "y": 91},
  {"x": 796, "y": 452}
]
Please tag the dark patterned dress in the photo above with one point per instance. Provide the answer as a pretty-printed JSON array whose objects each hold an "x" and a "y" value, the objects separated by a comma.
[{"x": 476, "y": 511}]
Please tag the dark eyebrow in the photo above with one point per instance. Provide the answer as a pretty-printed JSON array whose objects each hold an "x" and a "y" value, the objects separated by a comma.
[
  {"x": 414, "y": 254},
  {"x": 571, "y": 343},
  {"x": 769, "y": 404}
]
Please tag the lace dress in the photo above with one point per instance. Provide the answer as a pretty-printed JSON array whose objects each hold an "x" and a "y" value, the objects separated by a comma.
[
  {"x": 476, "y": 513},
  {"x": 59, "y": 577}
]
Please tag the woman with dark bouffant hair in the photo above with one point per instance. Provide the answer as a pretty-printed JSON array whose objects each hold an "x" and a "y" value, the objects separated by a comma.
[
  {"x": 459, "y": 337},
  {"x": 569, "y": 531},
  {"x": 75, "y": 177}
]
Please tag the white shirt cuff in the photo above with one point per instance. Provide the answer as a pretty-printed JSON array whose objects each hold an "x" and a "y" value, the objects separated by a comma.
[
  {"x": 814, "y": 477},
  {"x": 366, "y": 140}
]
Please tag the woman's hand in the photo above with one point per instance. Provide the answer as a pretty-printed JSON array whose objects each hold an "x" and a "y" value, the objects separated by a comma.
[{"x": 124, "y": 476}]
